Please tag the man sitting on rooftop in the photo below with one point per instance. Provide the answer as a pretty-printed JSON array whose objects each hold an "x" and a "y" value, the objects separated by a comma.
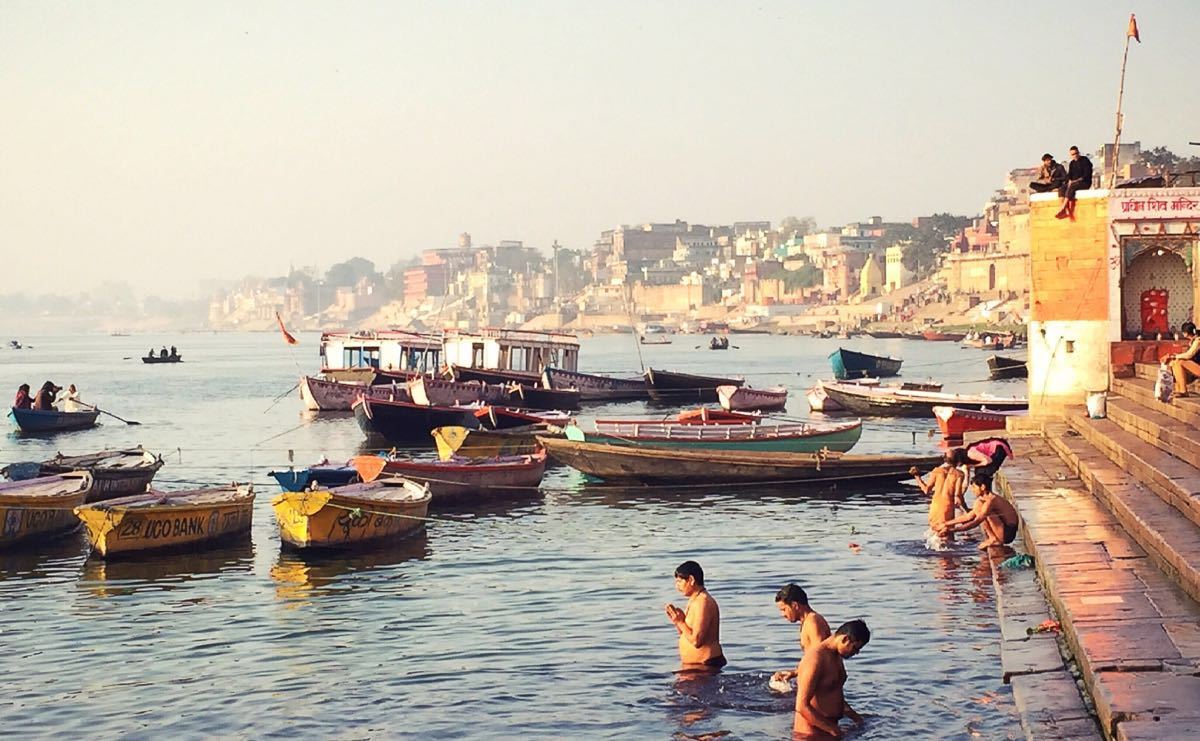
[{"x": 1051, "y": 177}]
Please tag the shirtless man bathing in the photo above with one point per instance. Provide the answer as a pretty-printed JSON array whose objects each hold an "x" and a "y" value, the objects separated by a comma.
[
  {"x": 792, "y": 602},
  {"x": 994, "y": 515},
  {"x": 699, "y": 625},
  {"x": 820, "y": 698},
  {"x": 946, "y": 485}
]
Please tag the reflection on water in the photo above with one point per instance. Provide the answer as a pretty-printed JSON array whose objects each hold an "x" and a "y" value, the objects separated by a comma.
[
  {"x": 301, "y": 575},
  {"x": 56, "y": 557},
  {"x": 163, "y": 571}
]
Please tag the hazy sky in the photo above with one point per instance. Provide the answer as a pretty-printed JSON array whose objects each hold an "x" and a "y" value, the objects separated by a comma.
[{"x": 172, "y": 142}]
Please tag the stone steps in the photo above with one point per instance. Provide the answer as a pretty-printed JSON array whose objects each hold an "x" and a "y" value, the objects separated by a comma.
[
  {"x": 1134, "y": 634},
  {"x": 1171, "y": 541},
  {"x": 1156, "y": 428},
  {"x": 1141, "y": 391},
  {"x": 1174, "y": 480}
]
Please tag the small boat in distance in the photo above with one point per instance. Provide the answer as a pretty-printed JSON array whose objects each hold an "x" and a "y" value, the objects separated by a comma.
[
  {"x": 658, "y": 339},
  {"x": 157, "y": 520},
  {"x": 386, "y": 510},
  {"x": 1000, "y": 367},
  {"x": 854, "y": 364},
  {"x": 51, "y": 420},
  {"x": 746, "y": 399},
  {"x": 933, "y": 335}
]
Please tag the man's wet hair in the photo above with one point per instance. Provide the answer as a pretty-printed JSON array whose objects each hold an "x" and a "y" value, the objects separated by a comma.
[
  {"x": 792, "y": 593},
  {"x": 982, "y": 479},
  {"x": 692, "y": 569},
  {"x": 1073, "y": 148},
  {"x": 855, "y": 630},
  {"x": 1047, "y": 156}
]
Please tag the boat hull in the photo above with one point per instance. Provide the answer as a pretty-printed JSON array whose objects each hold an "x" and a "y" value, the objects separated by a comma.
[
  {"x": 761, "y": 438},
  {"x": 350, "y": 517},
  {"x": 672, "y": 387},
  {"x": 852, "y": 364},
  {"x": 115, "y": 473},
  {"x": 955, "y": 422},
  {"x": 595, "y": 388},
  {"x": 1000, "y": 367},
  {"x": 38, "y": 510},
  {"x": 405, "y": 423},
  {"x": 156, "y": 521},
  {"x": 323, "y": 477},
  {"x": 489, "y": 375},
  {"x": 666, "y": 466},
  {"x": 459, "y": 481},
  {"x": 742, "y": 399},
  {"x": 151, "y": 360},
  {"x": 891, "y": 403},
  {"x": 464, "y": 443},
  {"x": 321, "y": 395},
  {"x": 44, "y": 421}
]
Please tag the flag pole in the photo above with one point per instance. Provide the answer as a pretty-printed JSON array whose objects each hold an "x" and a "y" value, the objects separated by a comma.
[{"x": 1112, "y": 177}]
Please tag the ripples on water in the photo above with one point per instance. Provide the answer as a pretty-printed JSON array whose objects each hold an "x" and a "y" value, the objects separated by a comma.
[{"x": 540, "y": 618}]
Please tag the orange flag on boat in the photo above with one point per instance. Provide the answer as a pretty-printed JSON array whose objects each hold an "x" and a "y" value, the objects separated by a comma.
[
  {"x": 287, "y": 336},
  {"x": 1133, "y": 32}
]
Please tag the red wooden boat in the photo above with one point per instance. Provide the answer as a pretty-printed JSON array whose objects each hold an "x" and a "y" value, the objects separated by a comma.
[
  {"x": 713, "y": 416},
  {"x": 955, "y": 422},
  {"x": 504, "y": 418},
  {"x": 932, "y": 335},
  {"x": 461, "y": 480}
]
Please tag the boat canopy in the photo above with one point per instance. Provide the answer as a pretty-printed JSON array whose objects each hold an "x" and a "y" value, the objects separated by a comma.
[{"x": 511, "y": 349}]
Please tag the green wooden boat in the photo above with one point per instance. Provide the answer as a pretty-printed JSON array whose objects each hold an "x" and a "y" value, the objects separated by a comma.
[{"x": 795, "y": 437}]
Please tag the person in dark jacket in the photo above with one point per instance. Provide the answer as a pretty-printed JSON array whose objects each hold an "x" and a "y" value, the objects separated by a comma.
[
  {"x": 1079, "y": 177},
  {"x": 1052, "y": 176}
]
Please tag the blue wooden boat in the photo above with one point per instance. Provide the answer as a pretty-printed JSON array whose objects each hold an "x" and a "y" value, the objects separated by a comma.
[
  {"x": 852, "y": 364},
  {"x": 322, "y": 476},
  {"x": 50, "y": 420}
]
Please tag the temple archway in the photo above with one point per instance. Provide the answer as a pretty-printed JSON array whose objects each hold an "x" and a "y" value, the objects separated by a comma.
[{"x": 1157, "y": 291}]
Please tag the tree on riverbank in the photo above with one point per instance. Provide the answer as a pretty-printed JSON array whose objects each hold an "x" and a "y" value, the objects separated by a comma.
[{"x": 926, "y": 241}]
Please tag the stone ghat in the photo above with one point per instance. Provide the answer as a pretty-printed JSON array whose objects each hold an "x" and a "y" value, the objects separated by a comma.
[{"x": 1110, "y": 523}]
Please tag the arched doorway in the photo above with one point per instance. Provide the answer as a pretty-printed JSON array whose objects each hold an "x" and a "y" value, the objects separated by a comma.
[{"x": 1157, "y": 278}]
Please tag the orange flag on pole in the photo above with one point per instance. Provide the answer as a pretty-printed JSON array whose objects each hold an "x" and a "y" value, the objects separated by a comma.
[
  {"x": 287, "y": 336},
  {"x": 1133, "y": 32}
]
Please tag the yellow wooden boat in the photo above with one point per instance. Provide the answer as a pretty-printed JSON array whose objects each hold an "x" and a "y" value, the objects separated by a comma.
[
  {"x": 389, "y": 508},
  {"x": 178, "y": 519},
  {"x": 36, "y": 510},
  {"x": 459, "y": 441}
]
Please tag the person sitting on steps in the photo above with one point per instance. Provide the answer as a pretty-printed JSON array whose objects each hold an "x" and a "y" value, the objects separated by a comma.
[{"x": 1183, "y": 365}]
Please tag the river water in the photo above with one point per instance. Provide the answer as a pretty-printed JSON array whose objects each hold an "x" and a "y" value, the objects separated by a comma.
[{"x": 539, "y": 618}]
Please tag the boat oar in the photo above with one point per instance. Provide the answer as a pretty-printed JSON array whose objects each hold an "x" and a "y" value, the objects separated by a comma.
[{"x": 126, "y": 421}]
